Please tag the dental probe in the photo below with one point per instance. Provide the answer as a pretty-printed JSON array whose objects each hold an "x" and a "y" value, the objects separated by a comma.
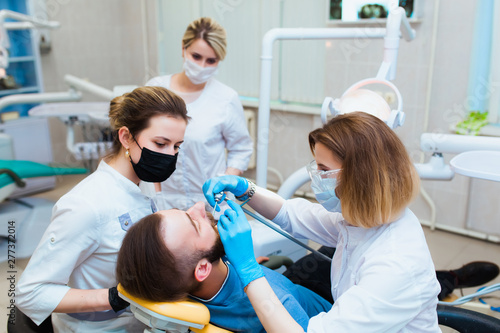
[{"x": 218, "y": 198}]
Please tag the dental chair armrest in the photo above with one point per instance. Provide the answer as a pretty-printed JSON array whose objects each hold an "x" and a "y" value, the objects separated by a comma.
[
  {"x": 19, "y": 182},
  {"x": 276, "y": 262}
]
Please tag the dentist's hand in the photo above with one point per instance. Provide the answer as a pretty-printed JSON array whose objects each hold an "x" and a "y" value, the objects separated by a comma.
[
  {"x": 236, "y": 235},
  {"x": 235, "y": 184}
]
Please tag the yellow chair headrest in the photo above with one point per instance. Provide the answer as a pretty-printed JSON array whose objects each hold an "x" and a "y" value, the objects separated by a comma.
[{"x": 187, "y": 310}]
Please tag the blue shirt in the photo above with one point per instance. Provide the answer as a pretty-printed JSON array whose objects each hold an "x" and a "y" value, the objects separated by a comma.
[{"x": 232, "y": 310}]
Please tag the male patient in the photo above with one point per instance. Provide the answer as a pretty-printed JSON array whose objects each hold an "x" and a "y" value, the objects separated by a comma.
[{"x": 171, "y": 254}]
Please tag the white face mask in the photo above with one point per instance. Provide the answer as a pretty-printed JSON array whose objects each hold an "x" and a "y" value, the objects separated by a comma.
[
  {"x": 323, "y": 184},
  {"x": 197, "y": 74},
  {"x": 327, "y": 198}
]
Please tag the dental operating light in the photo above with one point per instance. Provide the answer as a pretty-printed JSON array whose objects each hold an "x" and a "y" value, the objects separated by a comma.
[{"x": 366, "y": 101}]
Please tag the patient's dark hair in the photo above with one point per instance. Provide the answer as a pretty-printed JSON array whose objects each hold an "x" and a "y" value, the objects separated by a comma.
[{"x": 147, "y": 269}]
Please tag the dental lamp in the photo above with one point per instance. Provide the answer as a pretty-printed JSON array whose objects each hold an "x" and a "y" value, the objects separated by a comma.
[
  {"x": 353, "y": 99},
  {"x": 367, "y": 101},
  {"x": 386, "y": 72}
]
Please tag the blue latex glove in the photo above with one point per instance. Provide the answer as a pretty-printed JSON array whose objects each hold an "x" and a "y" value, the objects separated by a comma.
[
  {"x": 234, "y": 184},
  {"x": 236, "y": 235}
]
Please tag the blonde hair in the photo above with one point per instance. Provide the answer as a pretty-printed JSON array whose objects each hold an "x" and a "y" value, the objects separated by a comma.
[
  {"x": 378, "y": 179},
  {"x": 210, "y": 31},
  {"x": 134, "y": 110}
]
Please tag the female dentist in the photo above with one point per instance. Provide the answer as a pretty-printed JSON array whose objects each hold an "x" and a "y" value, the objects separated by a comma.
[
  {"x": 382, "y": 274},
  {"x": 217, "y": 120},
  {"x": 72, "y": 271}
]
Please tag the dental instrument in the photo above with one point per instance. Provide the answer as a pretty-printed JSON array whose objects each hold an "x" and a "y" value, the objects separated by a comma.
[{"x": 219, "y": 197}]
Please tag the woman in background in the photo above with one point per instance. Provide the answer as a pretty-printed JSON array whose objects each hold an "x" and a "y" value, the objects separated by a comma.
[{"x": 217, "y": 120}]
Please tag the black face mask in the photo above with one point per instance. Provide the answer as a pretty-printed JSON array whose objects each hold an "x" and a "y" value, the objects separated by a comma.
[{"x": 154, "y": 167}]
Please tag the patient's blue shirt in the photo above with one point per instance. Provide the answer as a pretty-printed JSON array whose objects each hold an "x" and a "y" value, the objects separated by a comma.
[{"x": 231, "y": 309}]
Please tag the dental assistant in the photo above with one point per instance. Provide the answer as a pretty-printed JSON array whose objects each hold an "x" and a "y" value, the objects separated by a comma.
[
  {"x": 71, "y": 274},
  {"x": 217, "y": 119},
  {"x": 382, "y": 274}
]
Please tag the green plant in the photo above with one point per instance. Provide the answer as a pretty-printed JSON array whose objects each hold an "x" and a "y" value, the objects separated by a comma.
[{"x": 472, "y": 123}]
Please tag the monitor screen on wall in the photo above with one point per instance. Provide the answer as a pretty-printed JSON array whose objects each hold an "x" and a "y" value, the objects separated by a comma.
[{"x": 355, "y": 10}]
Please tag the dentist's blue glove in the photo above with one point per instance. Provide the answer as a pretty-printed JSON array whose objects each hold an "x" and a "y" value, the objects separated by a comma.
[
  {"x": 236, "y": 235},
  {"x": 234, "y": 184}
]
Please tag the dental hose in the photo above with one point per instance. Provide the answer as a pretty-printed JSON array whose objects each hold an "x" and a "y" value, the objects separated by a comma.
[
  {"x": 285, "y": 234},
  {"x": 467, "y": 298}
]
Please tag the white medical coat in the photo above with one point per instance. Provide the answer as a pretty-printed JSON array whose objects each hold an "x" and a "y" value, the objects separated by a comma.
[
  {"x": 79, "y": 249},
  {"x": 217, "y": 123},
  {"x": 383, "y": 278}
]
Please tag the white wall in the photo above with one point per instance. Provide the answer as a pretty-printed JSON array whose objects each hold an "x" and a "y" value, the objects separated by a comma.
[{"x": 101, "y": 41}]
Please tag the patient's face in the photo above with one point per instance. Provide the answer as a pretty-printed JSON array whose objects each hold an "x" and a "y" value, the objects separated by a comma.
[{"x": 191, "y": 231}]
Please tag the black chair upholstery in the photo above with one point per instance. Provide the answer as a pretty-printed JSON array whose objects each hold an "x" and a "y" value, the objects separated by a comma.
[
  {"x": 21, "y": 323},
  {"x": 467, "y": 321}
]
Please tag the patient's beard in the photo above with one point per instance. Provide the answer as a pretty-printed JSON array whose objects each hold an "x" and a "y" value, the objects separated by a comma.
[{"x": 217, "y": 250}]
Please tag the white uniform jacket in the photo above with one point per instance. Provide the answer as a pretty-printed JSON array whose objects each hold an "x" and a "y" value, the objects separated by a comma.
[
  {"x": 217, "y": 123},
  {"x": 79, "y": 250},
  {"x": 383, "y": 278}
]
